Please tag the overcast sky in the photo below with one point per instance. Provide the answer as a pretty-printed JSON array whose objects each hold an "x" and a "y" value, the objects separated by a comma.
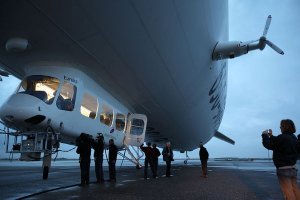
[{"x": 263, "y": 86}]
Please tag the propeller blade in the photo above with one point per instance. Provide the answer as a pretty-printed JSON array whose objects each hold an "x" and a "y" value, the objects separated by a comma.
[
  {"x": 268, "y": 22},
  {"x": 273, "y": 46}
]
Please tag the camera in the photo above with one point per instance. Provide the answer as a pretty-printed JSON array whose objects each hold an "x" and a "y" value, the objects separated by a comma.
[{"x": 267, "y": 132}]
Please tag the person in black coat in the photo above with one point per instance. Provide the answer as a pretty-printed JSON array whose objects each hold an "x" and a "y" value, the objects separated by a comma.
[
  {"x": 98, "y": 146},
  {"x": 148, "y": 160},
  {"x": 156, "y": 154},
  {"x": 84, "y": 150},
  {"x": 112, "y": 158},
  {"x": 285, "y": 153},
  {"x": 168, "y": 157},
  {"x": 203, "y": 154}
]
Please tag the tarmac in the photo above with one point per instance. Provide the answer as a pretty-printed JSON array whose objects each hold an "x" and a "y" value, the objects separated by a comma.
[{"x": 226, "y": 180}]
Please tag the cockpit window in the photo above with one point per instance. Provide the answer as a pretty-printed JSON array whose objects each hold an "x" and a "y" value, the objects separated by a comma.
[
  {"x": 66, "y": 98},
  {"x": 42, "y": 87}
]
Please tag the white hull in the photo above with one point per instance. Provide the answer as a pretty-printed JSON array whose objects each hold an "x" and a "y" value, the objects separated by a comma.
[{"x": 152, "y": 57}]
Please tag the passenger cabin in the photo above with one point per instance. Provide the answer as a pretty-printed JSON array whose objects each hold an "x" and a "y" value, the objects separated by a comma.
[{"x": 71, "y": 107}]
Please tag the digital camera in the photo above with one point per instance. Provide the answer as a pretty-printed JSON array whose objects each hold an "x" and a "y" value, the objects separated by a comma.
[{"x": 266, "y": 131}]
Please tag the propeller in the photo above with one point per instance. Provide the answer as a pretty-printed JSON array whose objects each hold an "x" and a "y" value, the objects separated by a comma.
[
  {"x": 232, "y": 49},
  {"x": 268, "y": 42},
  {"x": 263, "y": 41}
]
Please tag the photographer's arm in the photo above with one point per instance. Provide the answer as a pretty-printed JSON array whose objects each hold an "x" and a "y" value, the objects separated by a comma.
[{"x": 268, "y": 142}]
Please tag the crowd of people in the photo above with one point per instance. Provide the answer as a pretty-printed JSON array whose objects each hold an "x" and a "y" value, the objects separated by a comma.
[
  {"x": 285, "y": 147},
  {"x": 85, "y": 143}
]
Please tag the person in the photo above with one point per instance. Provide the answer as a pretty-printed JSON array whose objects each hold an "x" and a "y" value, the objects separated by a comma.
[
  {"x": 84, "y": 150},
  {"x": 285, "y": 152},
  {"x": 156, "y": 154},
  {"x": 98, "y": 146},
  {"x": 203, "y": 154},
  {"x": 112, "y": 158},
  {"x": 298, "y": 139},
  {"x": 168, "y": 158},
  {"x": 148, "y": 159},
  {"x": 119, "y": 125}
]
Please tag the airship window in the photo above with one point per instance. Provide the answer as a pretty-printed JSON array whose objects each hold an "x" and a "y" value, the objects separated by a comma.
[
  {"x": 89, "y": 106},
  {"x": 106, "y": 116},
  {"x": 120, "y": 122},
  {"x": 66, "y": 98},
  {"x": 42, "y": 87}
]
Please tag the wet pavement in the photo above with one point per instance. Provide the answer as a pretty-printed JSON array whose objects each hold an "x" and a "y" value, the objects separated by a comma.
[{"x": 226, "y": 180}]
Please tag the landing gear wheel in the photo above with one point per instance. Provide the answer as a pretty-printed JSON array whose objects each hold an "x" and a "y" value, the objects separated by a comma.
[
  {"x": 185, "y": 161},
  {"x": 45, "y": 173}
]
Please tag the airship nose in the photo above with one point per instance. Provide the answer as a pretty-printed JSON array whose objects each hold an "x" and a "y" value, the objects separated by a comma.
[{"x": 22, "y": 111}]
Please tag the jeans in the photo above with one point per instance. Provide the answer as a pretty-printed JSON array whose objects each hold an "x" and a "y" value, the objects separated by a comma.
[
  {"x": 288, "y": 183},
  {"x": 112, "y": 170},
  {"x": 99, "y": 169},
  {"x": 85, "y": 170},
  {"x": 168, "y": 170},
  {"x": 155, "y": 166},
  {"x": 204, "y": 167},
  {"x": 150, "y": 162}
]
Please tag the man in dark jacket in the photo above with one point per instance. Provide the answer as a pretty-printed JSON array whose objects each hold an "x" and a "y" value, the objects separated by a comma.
[
  {"x": 84, "y": 150},
  {"x": 285, "y": 153},
  {"x": 112, "y": 158},
  {"x": 203, "y": 158},
  {"x": 98, "y": 146},
  {"x": 148, "y": 159},
  {"x": 156, "y": 154}
]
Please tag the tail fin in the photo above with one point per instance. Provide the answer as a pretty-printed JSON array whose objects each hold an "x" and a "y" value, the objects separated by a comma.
[{"x": 224, "y": 138}]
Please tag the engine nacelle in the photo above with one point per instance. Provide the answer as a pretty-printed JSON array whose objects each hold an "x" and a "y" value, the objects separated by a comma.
[{"x": 224, "y": 50}]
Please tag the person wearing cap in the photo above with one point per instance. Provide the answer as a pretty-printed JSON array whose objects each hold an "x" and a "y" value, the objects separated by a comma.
[
  {"x": 98, "y": 146},
  {"x": 203, "y": 154},
  {"x": 148, "y": 160}
]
